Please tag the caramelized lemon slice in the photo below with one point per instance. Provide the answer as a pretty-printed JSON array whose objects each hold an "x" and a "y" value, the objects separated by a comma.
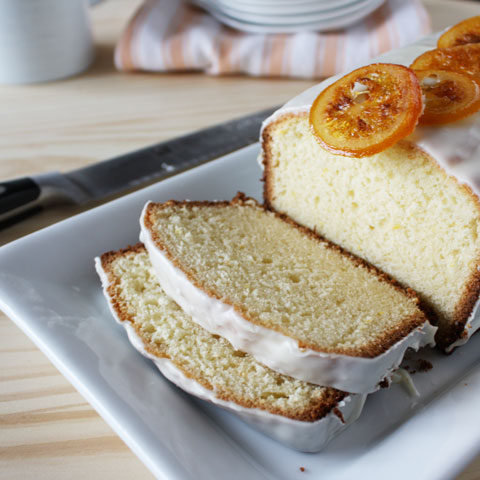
[
  {"x": 449, "y": 96},
  {"x": 462, "y": 59},
  {"x": 462, "y": 33},
  {"x": 367, "y": 110}
]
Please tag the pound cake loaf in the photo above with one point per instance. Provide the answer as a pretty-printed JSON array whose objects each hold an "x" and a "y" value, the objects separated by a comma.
[
  {"x": 274, "y": 289},
  {"x": 301, "y": 415},
  {"x": 411, "y": 210}
]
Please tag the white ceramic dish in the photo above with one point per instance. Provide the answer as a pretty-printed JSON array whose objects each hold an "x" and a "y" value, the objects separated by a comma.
[
  {"x": 258, "y": 24},
  {"x": 281, "y": 2},
  {"x": 274, "y": 18},
  {"x": 282, "y": 9},
  {"x": 49, "y": 287}
]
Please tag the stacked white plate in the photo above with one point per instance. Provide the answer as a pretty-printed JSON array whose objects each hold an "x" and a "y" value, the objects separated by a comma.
[{"x": 287, "y": 16}]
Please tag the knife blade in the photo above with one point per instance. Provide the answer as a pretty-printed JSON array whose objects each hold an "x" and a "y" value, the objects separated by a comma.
[{"x": 22, "y": 196}]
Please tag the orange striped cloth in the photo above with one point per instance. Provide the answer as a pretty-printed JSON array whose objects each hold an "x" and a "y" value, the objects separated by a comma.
[{"x": 171, "y": 35}]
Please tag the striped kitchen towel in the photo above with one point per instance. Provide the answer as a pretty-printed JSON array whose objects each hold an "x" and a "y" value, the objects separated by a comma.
[{"x": 172, "y": 36}]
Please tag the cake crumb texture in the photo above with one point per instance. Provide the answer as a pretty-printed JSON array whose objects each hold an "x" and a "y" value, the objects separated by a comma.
[
  {"x": 397, "y": 209},
  {"x": 210, "y": 360},
  {"x": 283, "y": 277}
]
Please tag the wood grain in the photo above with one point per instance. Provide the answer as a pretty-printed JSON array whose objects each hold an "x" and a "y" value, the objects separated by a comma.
[{"x": 47, "y": 430}]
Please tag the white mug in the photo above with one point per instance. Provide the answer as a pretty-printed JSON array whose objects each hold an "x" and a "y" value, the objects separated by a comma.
[{"x": 42, "y": 40}]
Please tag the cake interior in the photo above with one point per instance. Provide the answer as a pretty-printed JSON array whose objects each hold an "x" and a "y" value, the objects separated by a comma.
[
  {"x": 208, "y": 359},
  {"x": 283, "y": 277},
  {"x": 397, "y": 209}
]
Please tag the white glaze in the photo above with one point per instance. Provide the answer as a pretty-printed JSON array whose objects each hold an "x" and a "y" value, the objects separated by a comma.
[
  {"x": 279, "y": 352},
  {"x": 455, "y": 146},
  {"x": 303, "y": 436},
  {"x": 401, "y": 376}
]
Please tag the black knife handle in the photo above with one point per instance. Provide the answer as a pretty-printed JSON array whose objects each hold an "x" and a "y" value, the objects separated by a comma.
[{"x": 17, "y": 193}]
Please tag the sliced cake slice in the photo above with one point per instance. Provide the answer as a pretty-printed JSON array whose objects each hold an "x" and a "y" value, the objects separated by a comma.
[
  {"x": 297, "y": 303},
  {"x": 301, "y": 415}
]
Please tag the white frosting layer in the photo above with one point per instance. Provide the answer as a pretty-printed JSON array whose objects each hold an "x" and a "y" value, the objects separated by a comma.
[
  {"x": 279, "y": 352},
  {"x": 405, "y": 379},
  {"x": 455, "y": 146},
  {"x": 304, "y": 436}
]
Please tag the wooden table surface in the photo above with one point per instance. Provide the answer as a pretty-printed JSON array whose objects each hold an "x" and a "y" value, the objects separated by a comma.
[{"x": 47, "y": 429}]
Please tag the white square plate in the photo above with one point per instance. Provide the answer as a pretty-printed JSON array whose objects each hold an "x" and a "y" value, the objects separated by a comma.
[{"x": 48, "y": 286}]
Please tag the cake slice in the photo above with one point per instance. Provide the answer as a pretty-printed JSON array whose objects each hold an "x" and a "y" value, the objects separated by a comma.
[
  {"x": 412, "y": 210},
  {"x": 297, "y": 303},
  {"x": 301, "y": 415}
]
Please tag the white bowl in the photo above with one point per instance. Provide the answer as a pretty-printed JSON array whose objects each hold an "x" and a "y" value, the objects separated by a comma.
[
  {"x": 292, "y": 24},
  {"x": 292, "y": 18},
  {"x": 275, "y": 9}
]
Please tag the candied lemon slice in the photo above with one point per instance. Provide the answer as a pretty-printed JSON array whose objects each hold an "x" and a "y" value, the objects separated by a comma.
[
  {"x": 462, "y": 59},
  {"x": 448, "y": 96},
  {"x": 462, "y": 33},
  {"x": 367, "y": 110}
]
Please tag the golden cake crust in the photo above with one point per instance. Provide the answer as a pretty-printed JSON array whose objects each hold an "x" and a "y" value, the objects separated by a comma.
[{"x": 463, "y": 310}]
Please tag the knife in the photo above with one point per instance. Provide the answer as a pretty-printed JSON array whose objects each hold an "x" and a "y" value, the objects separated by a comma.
[{"x": 24, "y": 196}]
